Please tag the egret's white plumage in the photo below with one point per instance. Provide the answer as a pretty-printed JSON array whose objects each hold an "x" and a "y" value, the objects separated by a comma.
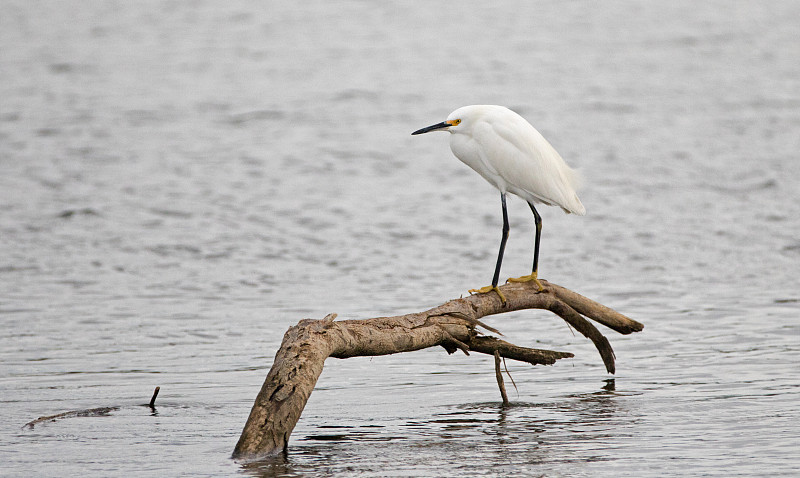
[{"x": 507, "y": 151}]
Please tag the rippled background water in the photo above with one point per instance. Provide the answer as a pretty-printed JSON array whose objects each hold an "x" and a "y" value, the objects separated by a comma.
[{"x": 182, "y": 181}]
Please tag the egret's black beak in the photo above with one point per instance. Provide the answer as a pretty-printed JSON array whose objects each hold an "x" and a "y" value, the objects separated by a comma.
[{"x": 433, "y": 127}]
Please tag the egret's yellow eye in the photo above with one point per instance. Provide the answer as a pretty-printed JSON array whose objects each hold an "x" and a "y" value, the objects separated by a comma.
[{"x": 454, "y": 122}]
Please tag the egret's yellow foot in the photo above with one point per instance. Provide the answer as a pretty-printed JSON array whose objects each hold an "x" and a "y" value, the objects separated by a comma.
[
  {"x": 487, "y": 289},
  {"x": 533, "y": 277}
]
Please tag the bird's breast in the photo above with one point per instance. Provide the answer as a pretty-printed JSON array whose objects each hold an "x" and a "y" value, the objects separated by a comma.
[{"x": 468, "y": 151}]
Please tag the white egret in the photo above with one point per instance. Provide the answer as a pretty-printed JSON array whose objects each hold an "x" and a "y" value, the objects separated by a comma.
[{"x": 507, "y": 151}]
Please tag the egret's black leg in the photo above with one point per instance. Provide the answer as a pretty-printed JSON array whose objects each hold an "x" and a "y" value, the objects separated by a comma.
[
  {"x": 535, "y": 272},
  {"x": 500, "y": 253},
  {"x": 538, "y": 219},
  {"x": 503, "y": 241}
]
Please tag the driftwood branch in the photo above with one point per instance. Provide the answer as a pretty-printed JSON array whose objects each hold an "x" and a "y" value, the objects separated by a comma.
[
  {"x": 452, "y": 325},
  {"x": 89, "y": 412}
]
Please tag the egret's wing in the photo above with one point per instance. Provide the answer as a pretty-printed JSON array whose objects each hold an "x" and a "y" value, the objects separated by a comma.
[{"x": 528, "y": 163}]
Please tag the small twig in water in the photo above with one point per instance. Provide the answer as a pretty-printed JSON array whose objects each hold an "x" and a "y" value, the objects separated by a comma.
[
  {"x": 499, "y": 375},
  {"x": 510, "y": 377},
  {"x": 153, "y": 400}
]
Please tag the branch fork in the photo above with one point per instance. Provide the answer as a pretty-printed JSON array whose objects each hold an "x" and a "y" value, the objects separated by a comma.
[{"x": 452, "y": 325}]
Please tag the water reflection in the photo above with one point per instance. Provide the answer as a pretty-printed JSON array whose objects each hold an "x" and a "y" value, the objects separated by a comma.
[
  {"x": 277, "y": 466},
  {"x": 486, "y": 438}
]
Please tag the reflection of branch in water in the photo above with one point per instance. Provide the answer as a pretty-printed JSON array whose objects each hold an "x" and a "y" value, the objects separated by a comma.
[{"x": 600, "y": 408}]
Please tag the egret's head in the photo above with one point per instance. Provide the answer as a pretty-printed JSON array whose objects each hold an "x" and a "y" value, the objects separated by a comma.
[
  {"x": 448, "y": 125},
  {"x": 463, "y": 119}
]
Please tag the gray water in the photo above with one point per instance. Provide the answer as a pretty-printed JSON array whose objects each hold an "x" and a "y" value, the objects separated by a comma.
[{"x": 183, "y": 181}]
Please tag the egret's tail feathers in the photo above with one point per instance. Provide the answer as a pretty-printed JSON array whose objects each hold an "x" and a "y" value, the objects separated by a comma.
[
  {"x": 579, "y": 210},
  {"x": 575, "y": 207}
]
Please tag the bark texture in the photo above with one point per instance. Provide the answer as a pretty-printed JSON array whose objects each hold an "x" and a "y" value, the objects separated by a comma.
[{"x": 452, "y": 325}]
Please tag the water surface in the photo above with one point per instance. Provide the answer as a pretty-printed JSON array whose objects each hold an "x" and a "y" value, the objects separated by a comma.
[{"x": 181, "y": 182}]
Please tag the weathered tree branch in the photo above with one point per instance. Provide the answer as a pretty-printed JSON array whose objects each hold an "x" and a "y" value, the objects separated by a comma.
[{"x": 452, "y": 325}]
